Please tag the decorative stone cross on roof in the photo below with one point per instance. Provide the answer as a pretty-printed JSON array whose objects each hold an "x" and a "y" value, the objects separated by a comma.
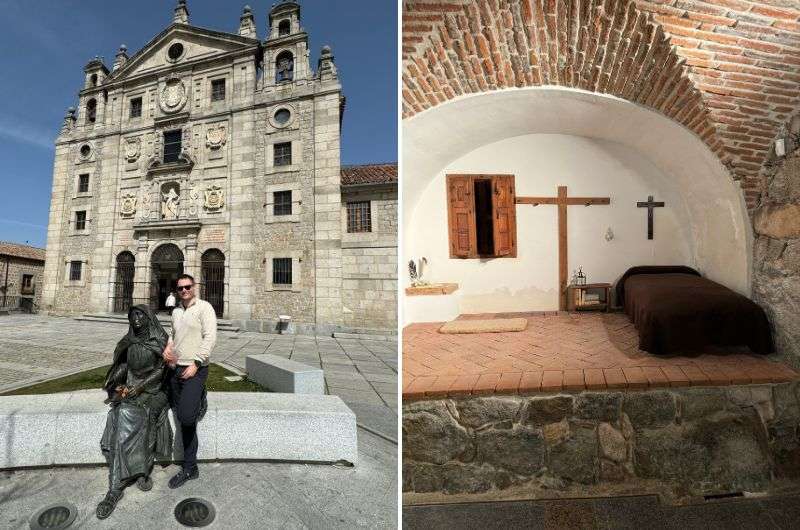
[{"x": 650, "y": 205}]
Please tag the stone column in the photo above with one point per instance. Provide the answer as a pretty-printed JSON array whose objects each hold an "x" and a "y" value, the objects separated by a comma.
[{"x": 141, "y": 277}]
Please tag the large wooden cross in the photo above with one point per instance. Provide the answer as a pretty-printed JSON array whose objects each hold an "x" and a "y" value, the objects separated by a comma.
[
  {"x": 563, "y": 201},
  {"x": 650, "y": 204}
]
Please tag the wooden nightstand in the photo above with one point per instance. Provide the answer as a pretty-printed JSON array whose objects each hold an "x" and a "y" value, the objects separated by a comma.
[{"x": 577, "y": 293}]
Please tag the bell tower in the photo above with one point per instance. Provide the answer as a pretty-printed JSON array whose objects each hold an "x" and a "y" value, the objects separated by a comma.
[{"x": 286, "y": 57}]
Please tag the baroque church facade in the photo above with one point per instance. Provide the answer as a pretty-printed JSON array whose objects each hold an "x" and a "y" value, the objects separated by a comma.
[{"x": 218, "y": 155}]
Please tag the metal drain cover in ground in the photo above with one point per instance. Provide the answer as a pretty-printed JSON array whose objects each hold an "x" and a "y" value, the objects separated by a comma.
[
  {"x": 54, "y": 517},
  {"x": 194, "y": 512}
]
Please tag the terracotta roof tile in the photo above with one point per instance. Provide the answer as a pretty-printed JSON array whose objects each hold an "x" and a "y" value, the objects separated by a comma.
[
  {"x": 21, "y": 251},
  {"x": 369, "y": 174}
]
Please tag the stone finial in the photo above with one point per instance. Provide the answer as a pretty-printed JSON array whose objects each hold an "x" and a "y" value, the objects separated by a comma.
[
  {"x": 326, "y": 68},
  {"x": 69, "y": 120},
  {"x": 121, "y": 58},
  {"x": 247, "y": 23},
  {"x": 181, "y": 13}
]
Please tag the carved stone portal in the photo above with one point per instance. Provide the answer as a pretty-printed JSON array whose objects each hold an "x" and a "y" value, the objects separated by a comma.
[
  {"x": 128, "y": 207},
  {"x": 215, "y": 198},
  {"x": 173, "y": 95}
]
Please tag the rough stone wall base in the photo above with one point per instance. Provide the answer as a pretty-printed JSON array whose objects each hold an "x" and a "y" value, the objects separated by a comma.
[{"x": 693, "y": 441}]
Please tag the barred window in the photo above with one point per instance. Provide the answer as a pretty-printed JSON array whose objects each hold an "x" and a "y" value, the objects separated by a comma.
[
  {"x": 91, "y": 111},
  {"x": 80, "y": 220},
  {"x": 136, "y": 108},
  {"x": 27, "y": 281},
  {"x": 283, "y": 203},
  {"x": 283, "y": 154},
  {"x": 75, "y": 270},
  {"x": 83, "y": 183},
  {"x": 359, "y": 217},
  {"x": 172, "y": 145},
  {"x": 282, "y": 271},
  {"x": 218, "y": 90}
]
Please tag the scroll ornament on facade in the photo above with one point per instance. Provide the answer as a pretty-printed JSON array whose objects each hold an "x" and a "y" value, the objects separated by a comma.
[
  {"x": 128, "y": 207},
  {"x": 214, "y": 198},
  {"x": 194, "y": 199}
]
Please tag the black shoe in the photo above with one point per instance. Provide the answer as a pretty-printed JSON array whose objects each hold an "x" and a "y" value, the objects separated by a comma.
[
  {"x": 182, "y": 477},
  {"x": 144, "y": 483},
  {"x": 107, "y": 505}
]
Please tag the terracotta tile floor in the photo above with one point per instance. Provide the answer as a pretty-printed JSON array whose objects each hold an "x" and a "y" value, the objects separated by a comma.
[{"x": 564, "y": 351}]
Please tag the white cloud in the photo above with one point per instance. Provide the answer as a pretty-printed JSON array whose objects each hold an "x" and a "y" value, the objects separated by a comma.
[
  {"x": 20, "y": 223},
  {"x": 27, "y": 134}
]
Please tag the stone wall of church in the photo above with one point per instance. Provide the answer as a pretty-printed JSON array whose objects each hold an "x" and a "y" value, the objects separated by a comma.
[
  {"x": 369, "y": 263},
  {"x": 776, "y": 251}
]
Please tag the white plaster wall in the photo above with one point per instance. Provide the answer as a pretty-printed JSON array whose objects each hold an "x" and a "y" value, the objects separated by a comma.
[
  {"x": 540, "y": 163},
  {"x": 596, "y": 145}
]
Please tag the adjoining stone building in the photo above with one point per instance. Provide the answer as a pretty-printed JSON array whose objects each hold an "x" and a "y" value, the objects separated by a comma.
[
  {"x": 218, "y": 154},
  {"x": 21, "y": 271}
]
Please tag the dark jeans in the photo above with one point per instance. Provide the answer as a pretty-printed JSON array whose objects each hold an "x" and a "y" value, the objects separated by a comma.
[{"x": 185, "y": 396}]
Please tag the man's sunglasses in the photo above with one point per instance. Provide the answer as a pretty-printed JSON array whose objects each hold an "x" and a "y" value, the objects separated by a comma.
[{"x": 185, "y": 287}]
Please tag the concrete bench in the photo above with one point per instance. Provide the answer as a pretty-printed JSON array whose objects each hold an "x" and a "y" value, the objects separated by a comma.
[
  {"x": 65, "y": 429},
  {"x": 283, "y": 375}
]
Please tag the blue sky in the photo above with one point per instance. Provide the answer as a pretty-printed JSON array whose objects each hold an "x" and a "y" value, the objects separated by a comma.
[{"x": 47, "y": 43}]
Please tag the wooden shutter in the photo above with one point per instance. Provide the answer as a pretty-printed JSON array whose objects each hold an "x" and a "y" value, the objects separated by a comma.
[
  {"x": 461, "y": 216},
  {"x": 505, "y": 216}
]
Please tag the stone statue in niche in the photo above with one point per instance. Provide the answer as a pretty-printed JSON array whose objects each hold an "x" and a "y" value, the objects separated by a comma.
[
  {"x": 128, "y": 207},
  {"x": 169, "y": 205},
  {"x": 215, "y": 198}
]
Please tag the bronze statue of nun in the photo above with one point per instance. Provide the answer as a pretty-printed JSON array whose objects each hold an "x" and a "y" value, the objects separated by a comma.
[{"x": 137, "y": 428}]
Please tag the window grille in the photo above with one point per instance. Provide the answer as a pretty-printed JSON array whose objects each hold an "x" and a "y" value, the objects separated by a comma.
[
  {"x": 282, "y": 271},
  {"x": 359, "y": 217},
  {"x": 218, "y": 90},
  {"x": 83, "y": 183},
  {"x": 75, "y": 270},
  {"x": 80, "y": 220},
  {"x": 283, "y": 203},
  {"x": 172, "y": 145},
  {"x": 283, "y": 154}
]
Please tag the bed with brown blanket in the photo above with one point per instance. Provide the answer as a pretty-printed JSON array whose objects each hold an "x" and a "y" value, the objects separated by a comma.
[{"x": 675, "y": 310}]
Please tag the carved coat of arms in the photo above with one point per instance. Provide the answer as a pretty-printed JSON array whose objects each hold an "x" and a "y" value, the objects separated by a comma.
[
  {"x": 133, "y": 148},
  {"x": 214, "y": 198},
  {"x": 173, "y": 95},
  {"x": 216, "y": 137},
  {"x": 128, "y": 207}
]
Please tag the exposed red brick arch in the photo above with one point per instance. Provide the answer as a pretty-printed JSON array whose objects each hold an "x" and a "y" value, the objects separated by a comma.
[{"x": 729, "y": 70}]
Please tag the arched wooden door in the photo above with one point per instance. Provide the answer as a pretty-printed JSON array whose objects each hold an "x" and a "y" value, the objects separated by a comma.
[{"x": 213, "y": 279}]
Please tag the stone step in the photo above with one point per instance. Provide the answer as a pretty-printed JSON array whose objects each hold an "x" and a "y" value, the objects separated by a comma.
[
  {"x": 65, "y": 429},
  {"x": 365, "y": 336},
  {"x": 222, "y": 325}
]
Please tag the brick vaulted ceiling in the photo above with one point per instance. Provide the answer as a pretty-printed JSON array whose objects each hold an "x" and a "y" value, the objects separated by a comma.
[{"x": 729, "y": 70}]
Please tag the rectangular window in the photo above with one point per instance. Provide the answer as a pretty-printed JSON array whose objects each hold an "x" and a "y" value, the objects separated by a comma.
[
  {"x": 283, "y": 203},
  {"x": 27, "y": 284},
  {"x": 80, "y": 220},
  {"x": 75, "y": 270},
  {"x": 283, "y": 154},
  {"x": 83, "y": 183},
  {"x": 218, "y": 90},
  {"x": 136, "y": 108},
  {"x": 172, "y": 145},
  {"x": 282, "y": 271},
  {"x": 482, "y": 216},
  {"x": 359, "y": 217}
]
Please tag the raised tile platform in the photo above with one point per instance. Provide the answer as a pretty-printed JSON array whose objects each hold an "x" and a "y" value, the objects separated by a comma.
[
  {"x": 564, "y": 351},
  {"x": 279, "y": 374},
  {"x": 65, "y": 429}
]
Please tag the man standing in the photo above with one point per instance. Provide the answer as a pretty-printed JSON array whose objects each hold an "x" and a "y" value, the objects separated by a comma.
[
  {"x": 169, "y": 303},
  {"x": 193, "y": 335}
]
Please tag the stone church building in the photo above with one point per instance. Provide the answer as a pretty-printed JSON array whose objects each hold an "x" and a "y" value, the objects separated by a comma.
[{"x": 218, "y": 154}]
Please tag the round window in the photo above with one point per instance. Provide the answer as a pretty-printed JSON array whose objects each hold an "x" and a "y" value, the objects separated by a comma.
[
  {"x": 85, "y": 151},
  {"x": 175, "y": 51},
  {"x": 283, "y": 116}
]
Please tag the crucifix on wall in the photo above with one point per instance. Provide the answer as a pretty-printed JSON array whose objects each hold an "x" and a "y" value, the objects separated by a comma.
[
  {"x": 562, "y": 200},
  {"x": 650, "y": 204}
]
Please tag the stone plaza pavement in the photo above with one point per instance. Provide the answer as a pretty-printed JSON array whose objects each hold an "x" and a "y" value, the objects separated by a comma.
[
  {"x": 362, "y": 372},
  {"x": 246, "y": 495}
]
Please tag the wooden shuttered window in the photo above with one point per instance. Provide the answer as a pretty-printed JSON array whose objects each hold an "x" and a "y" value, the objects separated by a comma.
[{"x": 482, "y": 216}]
